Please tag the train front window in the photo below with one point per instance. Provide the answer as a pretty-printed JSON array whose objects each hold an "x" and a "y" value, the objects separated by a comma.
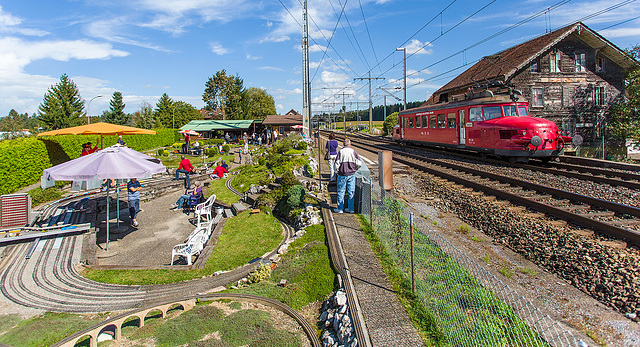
[
  {"x": 475, "y": 114},
  {"x": 491, "y": 112},
  {"x": 522, "y": 111},
  {"x": 509, "y": 111}
]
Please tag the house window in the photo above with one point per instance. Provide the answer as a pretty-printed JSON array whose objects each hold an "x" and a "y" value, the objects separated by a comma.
[
  {"x": 536, "y": 97},
  {"x": 280, "y": 130},
  {"x": 598, "y": 96},
  {"x": 554, "y": 62},
  {"x": 580, "y": 59},
  {"x": 534, "y": 65},
  {"x": 599, "y": 64}
]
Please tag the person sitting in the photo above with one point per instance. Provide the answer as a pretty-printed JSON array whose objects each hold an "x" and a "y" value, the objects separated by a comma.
[
  {"x": 186, "y": 168},
  {"x": 196, "y": 147},
  {"x": 86, "y": 148},
  {"x": 195, "y": 193},
  {"x": 120, "y": 140},
  {"x": 224, "y": 165},
  {"x": 218, "y": 172}
]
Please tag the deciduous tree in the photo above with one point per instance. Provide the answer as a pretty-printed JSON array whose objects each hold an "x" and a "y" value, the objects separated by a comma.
[
  {"x": 389, "y": 123},
  {"x": 224, "y": 93},
  {"x": 624, "y": 115},
  {"x": 62, "y": 105},
  {"x": 258, "y": 103},
  {"x": 143, "y": 118}
]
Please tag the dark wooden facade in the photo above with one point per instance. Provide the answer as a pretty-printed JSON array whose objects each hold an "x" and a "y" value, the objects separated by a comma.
[{"x": 569, "y": 76}]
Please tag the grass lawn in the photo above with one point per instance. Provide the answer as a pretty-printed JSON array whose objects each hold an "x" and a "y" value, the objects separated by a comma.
[
  {"x": 244, "y": 238},
  {"x": 248, "y": 175},
  {"x": 307, "y": 269},
  {"x": 50, "y": 328},
  {"x": 222, "y": 193}
]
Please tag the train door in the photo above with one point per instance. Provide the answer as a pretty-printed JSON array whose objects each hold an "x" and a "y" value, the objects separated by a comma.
[
  {"x": 402, "y": 126},
  {"x": 461, "y": 123}
]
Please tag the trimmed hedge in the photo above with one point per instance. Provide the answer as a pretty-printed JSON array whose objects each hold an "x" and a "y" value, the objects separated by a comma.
[{"x": 22, "y": 160}]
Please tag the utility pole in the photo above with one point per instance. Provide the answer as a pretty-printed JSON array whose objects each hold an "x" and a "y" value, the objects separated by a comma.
[
  {"x": 306, "y": 84},
  {"x": 404, "y": 50},
  {"x": 370, "y": 103},
  {"x": 344, "y": 115}
]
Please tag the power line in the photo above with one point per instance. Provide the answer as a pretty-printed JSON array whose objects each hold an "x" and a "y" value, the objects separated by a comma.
[
  {"x": 324, "y": 53},
  {"x": 369, "y": 34}
]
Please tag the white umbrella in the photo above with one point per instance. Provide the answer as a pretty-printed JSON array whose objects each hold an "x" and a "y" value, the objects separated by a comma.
[{"x": 115, "y": 162}]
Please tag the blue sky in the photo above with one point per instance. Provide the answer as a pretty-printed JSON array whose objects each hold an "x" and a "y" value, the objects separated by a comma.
[{"x": 144, "y": 48}]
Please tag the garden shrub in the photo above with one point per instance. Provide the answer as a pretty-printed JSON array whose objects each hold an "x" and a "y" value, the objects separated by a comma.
[
  {"x": 23, "y": 159},
  {"x": 161, "y": 151},
  {"x": 210, "y": 152},
  {"x": 302, "y": 145},
  {"x": 226, "y": 148}
]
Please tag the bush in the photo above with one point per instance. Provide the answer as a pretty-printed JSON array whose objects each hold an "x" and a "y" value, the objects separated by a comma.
[
  {"x": 177, "y": 145},
  {"x": 262, "y": 161},
  {"x": 226, "y": 148},
  {"x": 302, "y": 145},
  {"x": 289, "y": 180},
  {"x": 241, "y": 142},
  {"x": 161, "y": 151},
  {"x": 295, "y": 197},
  {"x": 210, "y": 152}
]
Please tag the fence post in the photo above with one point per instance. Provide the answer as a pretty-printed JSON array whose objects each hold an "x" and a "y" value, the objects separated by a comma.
[
  {"x": 413, "y": 267},
  {"x": 371, "y": 201}
]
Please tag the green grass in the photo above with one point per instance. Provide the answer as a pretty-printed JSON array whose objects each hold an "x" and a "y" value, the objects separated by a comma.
[
  {"x": 250, "y": 175},
  {"x": 222, "y": 193},
  {"x": 40, "y": 196},
  {"x": 307, "y": 269},
  {"x": 8, "y": 321},
  {"x": 50, "y": 328},
  {"x": 462, "y": 307},
  {"x": 244, "y": 238}
]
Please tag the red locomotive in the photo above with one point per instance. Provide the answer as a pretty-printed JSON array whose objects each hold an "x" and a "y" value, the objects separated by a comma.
[{"x": 491, "y": 124}]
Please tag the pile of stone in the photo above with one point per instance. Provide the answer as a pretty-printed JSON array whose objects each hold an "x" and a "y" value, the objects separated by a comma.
[
  {"x": 309, "y": 216},
  {"x": 336, "y": 322}
]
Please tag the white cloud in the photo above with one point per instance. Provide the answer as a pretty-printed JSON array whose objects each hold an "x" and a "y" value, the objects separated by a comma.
[
  {"x": 271, "y": 68},
  {"x": 281, "y": 38},
  {"x": 114, "y": 30},
  {"x": 330, "y": 77},
  {"x": 417, "y": 47},
  {"x": 10, "y": 24},
  {"x": 218, "y": 49},
  {"x": 621, "y": 32},
  {"x": 253, "y": 57}
]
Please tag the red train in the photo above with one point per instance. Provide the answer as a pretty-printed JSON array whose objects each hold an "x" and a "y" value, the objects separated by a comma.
[{"x": 491, "y": 124}]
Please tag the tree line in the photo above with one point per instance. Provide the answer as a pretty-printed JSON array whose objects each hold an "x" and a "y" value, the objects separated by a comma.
[{"x": 225, "y": 98}]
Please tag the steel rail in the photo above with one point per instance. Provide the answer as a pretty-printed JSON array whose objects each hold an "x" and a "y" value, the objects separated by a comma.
[{"x": 600, "y": 226}]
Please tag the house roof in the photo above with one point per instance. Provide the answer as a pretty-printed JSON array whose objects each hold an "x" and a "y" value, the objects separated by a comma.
[
  {"x": 283, "y": 120},
  {"x": 209, "y": 125},
  {"x": 503, "y": 65}
]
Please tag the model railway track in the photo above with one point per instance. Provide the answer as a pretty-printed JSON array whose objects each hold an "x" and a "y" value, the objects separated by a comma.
[{"x": 581, "y": 210}]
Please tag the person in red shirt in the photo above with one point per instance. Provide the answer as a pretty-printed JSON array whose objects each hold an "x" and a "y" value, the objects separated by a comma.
[
  {"x": 218, "y": 172},
  {"x": 86, "y": 148},
  {"x": 186, "y": 168}
]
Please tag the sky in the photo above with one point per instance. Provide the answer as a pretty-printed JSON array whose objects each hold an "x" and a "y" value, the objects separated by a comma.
[{"x": 144, "y": 48}]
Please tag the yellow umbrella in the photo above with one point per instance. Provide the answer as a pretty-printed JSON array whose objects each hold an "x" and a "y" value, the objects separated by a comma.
[{"x": 100, "y": 128}]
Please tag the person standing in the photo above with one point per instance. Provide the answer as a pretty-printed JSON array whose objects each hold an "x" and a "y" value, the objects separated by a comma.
[
  {"x": 245, "y": 141},
  {"x": 186, "y": 168},
  {"x": 275, "y": 135},
  {"x": 332, "y": 148},
  {"x": 133, "y": 192},
  {"x": 347, "y": 163}
]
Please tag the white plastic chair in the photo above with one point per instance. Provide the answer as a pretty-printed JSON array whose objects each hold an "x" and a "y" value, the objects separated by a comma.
[
  {"x": 194, "y": 245},
  {"x": 204, "y": 209}
]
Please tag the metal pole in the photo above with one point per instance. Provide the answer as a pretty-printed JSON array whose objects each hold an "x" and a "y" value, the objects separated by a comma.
[
  {"x": 108, "y": 217},
  {"x": 88, "y": 105},
  {"x": 413, "y": 267},
  {"x": 404, "y": 59}
]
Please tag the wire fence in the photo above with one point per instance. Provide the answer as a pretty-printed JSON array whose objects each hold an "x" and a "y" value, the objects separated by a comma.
[{"x": 471, "y": 305}]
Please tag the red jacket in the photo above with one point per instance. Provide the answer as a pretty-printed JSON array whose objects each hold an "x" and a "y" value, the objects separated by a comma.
[
  {"x": 185, "y": 164},
  {"x": 220, "y": 171},
  {"x": 89, "y": 151}
]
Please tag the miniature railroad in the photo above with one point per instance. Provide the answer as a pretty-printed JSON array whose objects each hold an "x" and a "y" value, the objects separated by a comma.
[{"x": 587, "y": 205}]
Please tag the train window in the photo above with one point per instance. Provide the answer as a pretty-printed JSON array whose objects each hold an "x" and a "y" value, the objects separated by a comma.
[
  {"x": 410, "y": 122},
  {"x": 441, "y": 121},
  {"x": 475, "y": 114},
  {"x": 491, "y": 112},
  {"x": 425, "y": 121},
  {"x": 509, "y": 111},
  {"x": 522, "y": 111},
  {"x": 451, "y": 120},
  {"x": 432, "y": 121}
]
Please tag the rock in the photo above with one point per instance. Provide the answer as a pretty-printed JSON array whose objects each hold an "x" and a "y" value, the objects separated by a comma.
[{"x": 341, "y": 298}]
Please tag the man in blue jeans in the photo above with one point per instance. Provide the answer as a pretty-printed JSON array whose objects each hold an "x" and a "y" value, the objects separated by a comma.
[
  {"x": 347, "y": 163},
  {"x": 186, "y": 168},
  {"x": 133, "y": 192}
]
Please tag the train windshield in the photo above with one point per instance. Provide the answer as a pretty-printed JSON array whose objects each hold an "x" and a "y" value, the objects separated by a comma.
[
  {"x": 491, "y": 112},
  {"x": 522, "y": 110},
  {"x": 509, "y": 111}
]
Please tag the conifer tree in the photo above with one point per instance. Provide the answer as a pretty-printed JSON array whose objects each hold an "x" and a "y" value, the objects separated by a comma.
[
  {"x": 62, "y": 105},
  {"x": 116, "y": 114}
]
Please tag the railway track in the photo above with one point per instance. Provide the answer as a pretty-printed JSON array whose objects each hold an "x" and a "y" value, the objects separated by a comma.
[{"x": 614, "y": 219}]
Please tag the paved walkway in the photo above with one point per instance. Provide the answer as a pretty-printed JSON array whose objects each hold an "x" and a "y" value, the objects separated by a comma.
[{"x": 387, "y": 321}]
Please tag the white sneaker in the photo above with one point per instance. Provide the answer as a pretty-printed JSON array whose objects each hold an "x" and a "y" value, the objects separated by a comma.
[
  {"x": 348, "y": 211},
  {"x": 173, "y": 207},
  {"x": 337, "y": 211}
]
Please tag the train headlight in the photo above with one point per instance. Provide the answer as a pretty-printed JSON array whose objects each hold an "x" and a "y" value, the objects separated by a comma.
[{"x": 536, "y": 141}]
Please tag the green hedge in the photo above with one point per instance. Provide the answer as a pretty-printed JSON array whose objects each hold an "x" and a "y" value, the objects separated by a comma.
[{"x": 22, "y": 160}]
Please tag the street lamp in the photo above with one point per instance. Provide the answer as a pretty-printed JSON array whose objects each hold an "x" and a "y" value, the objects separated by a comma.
[
  {"x": 404, "y": 50},
  {"x": 89, "y": 104}
]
